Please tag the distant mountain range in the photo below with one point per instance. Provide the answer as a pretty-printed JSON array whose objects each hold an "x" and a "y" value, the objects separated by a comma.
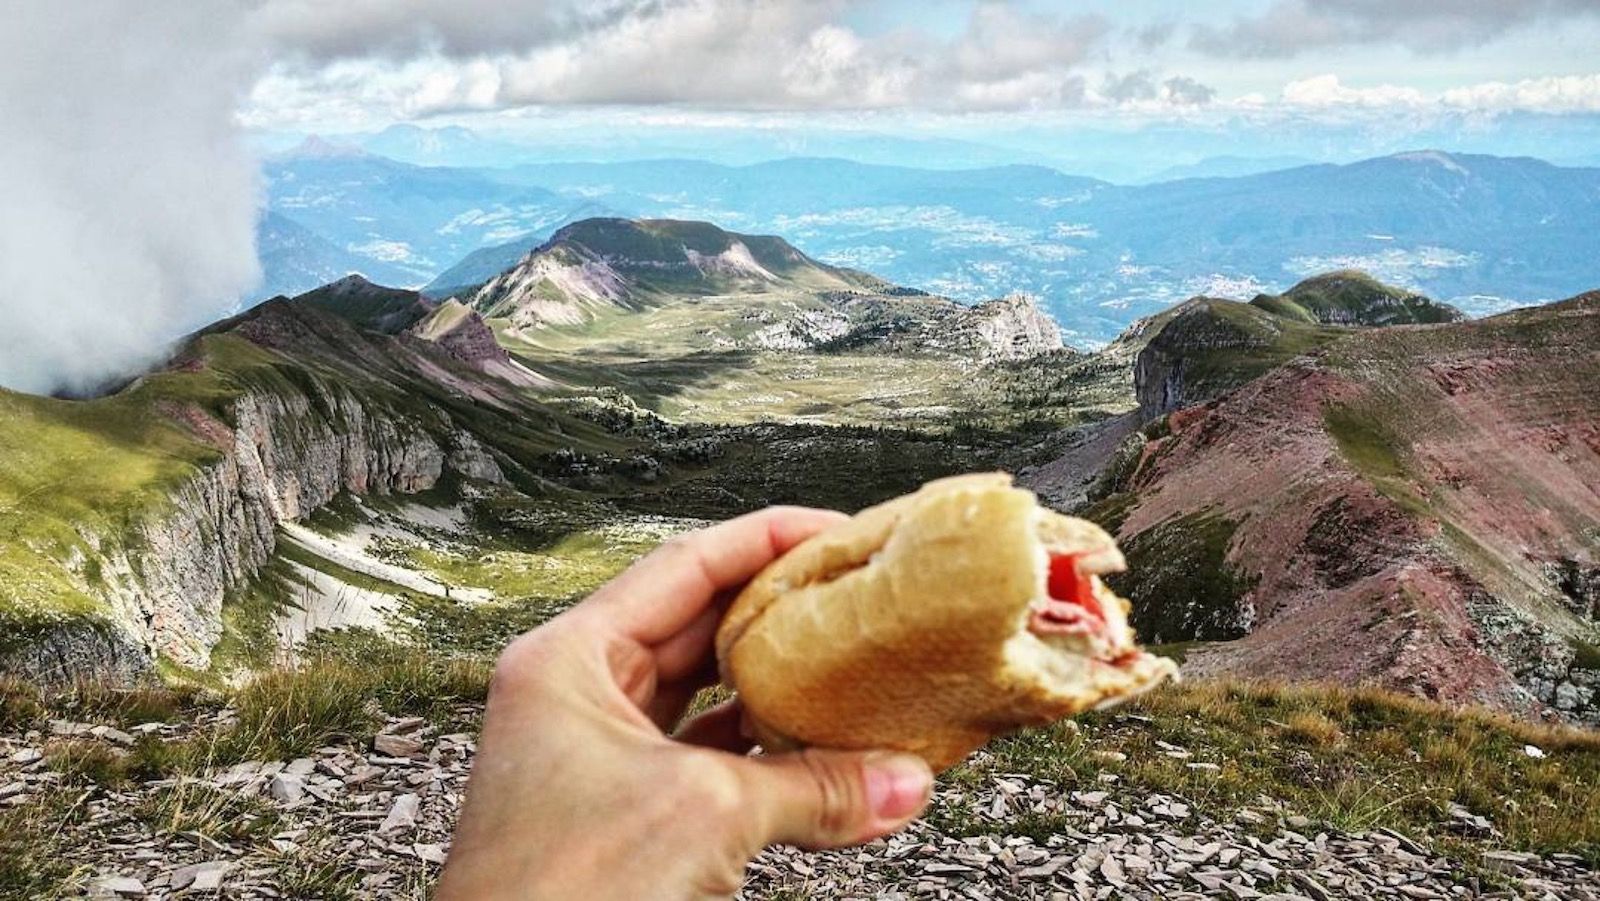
[{"x": 1482, "y": 232}]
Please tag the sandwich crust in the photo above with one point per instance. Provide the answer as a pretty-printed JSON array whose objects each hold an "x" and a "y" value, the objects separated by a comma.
[{"x": 907, "y": 627}]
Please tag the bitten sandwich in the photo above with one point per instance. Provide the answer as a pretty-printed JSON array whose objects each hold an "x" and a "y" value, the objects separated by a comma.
[{"x": 933, "y": 622}]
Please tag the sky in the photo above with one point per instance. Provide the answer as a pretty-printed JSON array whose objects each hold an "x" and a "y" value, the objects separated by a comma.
[
  {"x": 924, "y": 61},
  {"x": 132, "y": 179}
]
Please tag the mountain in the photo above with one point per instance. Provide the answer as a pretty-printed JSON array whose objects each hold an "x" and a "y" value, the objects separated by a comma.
[
  {"x": 1228, "y": 167},
  {"x": 295, "y": 259},
  {"x": 485, "y": 263},
  {"x": 1349, "y": 297},
  {"x": 1484, "y": 233},
  {"x": 1413, "y": 507},
  {"x": 694, "y": 287},
  {"x": 597, "y": 265},
  {"x": 370, "y": 306}
]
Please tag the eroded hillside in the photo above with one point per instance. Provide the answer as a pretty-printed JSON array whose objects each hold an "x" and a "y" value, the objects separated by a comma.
[{"x": 1415, "y": 506}]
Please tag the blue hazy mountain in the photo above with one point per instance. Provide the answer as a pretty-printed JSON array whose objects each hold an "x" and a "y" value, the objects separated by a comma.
[
  {"x": 414, "y": 220},
  {"x": 1228, "y": 167},
  {"x": 1481, "y": 232},
  {"x": 295, "y": 259}
]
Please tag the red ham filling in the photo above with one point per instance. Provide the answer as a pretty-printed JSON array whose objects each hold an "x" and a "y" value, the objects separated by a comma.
[{"x": 1072, "y": 608}]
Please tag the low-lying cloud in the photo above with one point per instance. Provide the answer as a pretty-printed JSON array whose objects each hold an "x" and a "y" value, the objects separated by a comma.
[{"x": 129, "y": 202}]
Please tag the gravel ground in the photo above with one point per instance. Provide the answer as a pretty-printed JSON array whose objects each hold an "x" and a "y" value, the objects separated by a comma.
[{"x": 376, "y": 820}]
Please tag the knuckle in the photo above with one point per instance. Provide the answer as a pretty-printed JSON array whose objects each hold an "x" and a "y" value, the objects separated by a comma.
[
  {"x": 519, "y": 664},
  {"x": 836, "y": 795},
  {"x": 677, "y": 545}
]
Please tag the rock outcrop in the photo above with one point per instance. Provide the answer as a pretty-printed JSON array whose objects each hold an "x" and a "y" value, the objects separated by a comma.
[{"x": 1010, "y": 328}]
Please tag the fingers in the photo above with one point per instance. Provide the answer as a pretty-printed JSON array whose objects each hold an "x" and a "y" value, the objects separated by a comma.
[
  {"x": 717, "y": 728},
  {"x": 825, "y": 799},
  {"x": 686, "y": 652},
  {"x": 664, "y": 592}
]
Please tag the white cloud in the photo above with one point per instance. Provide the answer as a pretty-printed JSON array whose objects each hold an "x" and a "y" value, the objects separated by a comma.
[
  {"x": 129, "y": 208},
  {"x": 1568, "y": 94},
  {"x": 1325, "y": 91},
  {"x": 744, "y": 55},
  {"x": 1288, "y": 28}
]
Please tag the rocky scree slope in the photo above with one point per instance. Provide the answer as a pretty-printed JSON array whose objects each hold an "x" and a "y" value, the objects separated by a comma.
[
  {"x": 1416, "y": 507},
  {"x": 138, "y": 513},
  {"x": 1004, "y": 329}
]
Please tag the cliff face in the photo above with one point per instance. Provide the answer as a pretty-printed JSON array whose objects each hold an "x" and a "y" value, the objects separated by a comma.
[{"x": 281, "y": 455}]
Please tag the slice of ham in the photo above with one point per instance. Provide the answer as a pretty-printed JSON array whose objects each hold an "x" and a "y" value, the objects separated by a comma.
[{"x": 1072, "y": 608}]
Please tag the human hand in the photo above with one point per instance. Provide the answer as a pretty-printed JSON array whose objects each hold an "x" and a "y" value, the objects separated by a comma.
[{"x": 579, "y": 792}]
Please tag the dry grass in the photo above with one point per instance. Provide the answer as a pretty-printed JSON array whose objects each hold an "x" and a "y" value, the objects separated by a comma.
[
  {"x": 196, "y": 807},
  {"x": 20, "y": 704},
  {"x": 1353, "y": 759}
]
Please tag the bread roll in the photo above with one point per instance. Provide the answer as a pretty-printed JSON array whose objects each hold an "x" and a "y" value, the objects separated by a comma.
[{"x": 933, "y": 622}]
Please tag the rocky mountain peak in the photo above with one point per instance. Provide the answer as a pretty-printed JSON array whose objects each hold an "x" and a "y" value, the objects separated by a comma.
[{"x": 604, "y": 263}]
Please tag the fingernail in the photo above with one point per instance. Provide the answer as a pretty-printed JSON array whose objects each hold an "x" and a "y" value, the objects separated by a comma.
[{"x": 897, "y": 785}]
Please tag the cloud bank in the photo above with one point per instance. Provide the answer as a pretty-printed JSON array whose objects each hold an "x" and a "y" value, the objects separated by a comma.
[
  {"x": 723, "y": 54},
  {"x": 130, "y": 205},
  {"x": 1287, "y": 28}
]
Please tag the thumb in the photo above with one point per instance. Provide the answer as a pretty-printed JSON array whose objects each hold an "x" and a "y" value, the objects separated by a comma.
[{"x": 820, "y": 799}]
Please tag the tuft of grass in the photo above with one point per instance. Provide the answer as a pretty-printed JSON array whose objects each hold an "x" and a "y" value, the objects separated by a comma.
[
  {"x": 1312, "y": 727},
  {"x": 1350, "y": 758},
  {"x": 19, "y": 705},
  {"x": 224, "y": 816},
  {"x": 98, "y": 702},
  {"x": 328, "y": 880},
  {"x": 291, "y": 712},
  {"x": 87, "y": 761}
]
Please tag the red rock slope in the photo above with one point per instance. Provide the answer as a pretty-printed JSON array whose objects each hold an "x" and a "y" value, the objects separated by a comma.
[{"x": 1414, "y": 506}]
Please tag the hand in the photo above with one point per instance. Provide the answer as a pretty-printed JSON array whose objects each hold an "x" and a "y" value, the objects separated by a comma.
[{"x": 577, "y": 790}]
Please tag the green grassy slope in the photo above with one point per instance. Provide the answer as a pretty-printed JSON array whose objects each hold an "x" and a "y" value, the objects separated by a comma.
[{"x": 1349, "y": 297}]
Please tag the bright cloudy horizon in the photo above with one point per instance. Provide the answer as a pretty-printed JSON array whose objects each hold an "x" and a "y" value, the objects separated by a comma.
[
  {"x": 1099, "y": 88},
  {"x": 368, "y": 63}
]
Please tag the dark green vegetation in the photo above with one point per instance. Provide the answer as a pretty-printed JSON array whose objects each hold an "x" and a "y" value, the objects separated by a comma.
[
  {"x": 1348, "y": 297},
  {"x": 1180, "y": 582},
  {"x": 371, "y": 307},
  {"x": 1206, "y": 347},
  {"x": 1351, "y": 759}
]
